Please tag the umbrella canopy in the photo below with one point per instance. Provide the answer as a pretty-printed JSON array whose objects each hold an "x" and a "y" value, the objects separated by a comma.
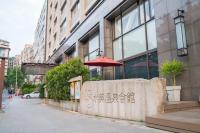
[{"x": 103, "y": 62}]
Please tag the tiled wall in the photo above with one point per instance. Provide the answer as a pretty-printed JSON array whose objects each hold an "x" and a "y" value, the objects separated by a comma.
[{"x": 165, "y": 11}]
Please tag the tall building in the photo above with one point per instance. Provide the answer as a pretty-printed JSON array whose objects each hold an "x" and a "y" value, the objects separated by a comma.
[
  {"x": 11, "y": 62},
  {"x": 141, "y": 34},
  {"x": 4, "y": 44},
  {"x": 27, "y": 54},
  {"x": 17, "y": 62},
  {"x": 40, "y": 37}
]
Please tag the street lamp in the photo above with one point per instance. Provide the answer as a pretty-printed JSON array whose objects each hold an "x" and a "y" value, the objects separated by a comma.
[
  {"x": 182, "y": 48},
  {"x": 4, "y": 54}
]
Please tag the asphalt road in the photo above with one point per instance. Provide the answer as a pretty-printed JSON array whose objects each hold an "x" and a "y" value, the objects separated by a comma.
[{"x": 31, "y": 116}]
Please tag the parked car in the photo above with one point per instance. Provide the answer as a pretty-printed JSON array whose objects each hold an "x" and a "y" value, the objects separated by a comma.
[{"x": 34, "y": 94}]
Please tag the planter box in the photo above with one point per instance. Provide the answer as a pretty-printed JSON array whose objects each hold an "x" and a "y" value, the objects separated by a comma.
[{"x": 173, "y": 93}]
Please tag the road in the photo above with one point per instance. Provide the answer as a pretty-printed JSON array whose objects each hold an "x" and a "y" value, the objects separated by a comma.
[{"x": 32, "y": 116}]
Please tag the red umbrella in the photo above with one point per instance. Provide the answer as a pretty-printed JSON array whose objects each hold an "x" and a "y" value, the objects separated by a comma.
[{"x": 103, "y": 62}]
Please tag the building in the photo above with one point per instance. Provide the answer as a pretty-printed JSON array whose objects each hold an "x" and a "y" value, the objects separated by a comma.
[
  {"x": 40, "y": 37},
  {"x": 4, "y": 44},
  {"x": 17, "y": 61},
  {"x": 141, "y": 34},
  {"x": 11, "y": 62},
  {"x": 27, "y": 54}
]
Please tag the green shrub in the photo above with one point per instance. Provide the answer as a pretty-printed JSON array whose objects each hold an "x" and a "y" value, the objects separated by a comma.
[
  {"x": 172, "y": 69},
  {"x": 28, "y": 88},
  {"x": 57, "y": 78},
  {"x": 96, "y": 78}
]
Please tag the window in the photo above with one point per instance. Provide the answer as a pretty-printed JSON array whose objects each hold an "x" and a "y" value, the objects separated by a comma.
[
  {"x": 134, "y": 42},
  {"x": 133, "y": 30},
  {"x": 117, "y": 49},
  {"x": 55, "y": 36},
  {"x": 51, "y": 5},
  {"x": 147, "y": 10},
  {"x": 94, "y": 43},
  {"x": 50, "y": 17},
  {"x": 130, "y": 19},
  {"x": 75, "y": 13},
  {"x": 89, "y": 3},
  {"x": 151, "y": 35},
  {"x": 49, "y": 45},
  {"x": 118, "y": 28},
  {"x": 63, "y": 6},
  {"x": 153, "y": 65},
  {"x": 63, "y": 25},
  {"x": 50, "y": 31},
  {"x": 93, "y": 48},
  {"x": 136, "y": 68},
  {"x": 55, "y": 21},
  {"x": 56, "y": 6}
]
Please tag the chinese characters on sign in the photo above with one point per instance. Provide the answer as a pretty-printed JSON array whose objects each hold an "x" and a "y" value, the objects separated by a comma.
[{"x": 128, "y": 97}]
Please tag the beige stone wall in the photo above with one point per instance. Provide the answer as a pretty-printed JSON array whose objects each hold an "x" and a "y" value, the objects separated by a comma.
[{"x": 130, "y": 99}]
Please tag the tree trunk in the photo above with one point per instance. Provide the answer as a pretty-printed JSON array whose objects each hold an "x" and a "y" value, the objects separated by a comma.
[{"x": 174, "y": 80}]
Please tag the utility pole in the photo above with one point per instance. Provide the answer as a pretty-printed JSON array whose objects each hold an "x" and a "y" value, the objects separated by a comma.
[{"x": 16, "y": 80}]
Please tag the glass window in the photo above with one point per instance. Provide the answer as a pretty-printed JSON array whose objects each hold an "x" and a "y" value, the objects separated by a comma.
[
  {"x": 93, "y": 55},
  {"x": 93, "y": 43},
  {"x": 152, "y": 8},
  {"x": 86, "y": 58},
  {"x": 151, "y": 35},
  {"x": 130, "y": 19},
  {"x": 119, "y": 72},
  {"x": 147, "y": 11},
  {"x": 136, "y": 68},
  {"x": 117, "y": 30},
  {"x": 89, "y": 3},
  {"x": 63, "y": 25},
  {"x": 153, "y": 65},
  {"x": 134, "y": 42},
  {"x": 117, "y": 49},
  {"x": 142, "y": 13},
  {"x": 75, "y": 13}
]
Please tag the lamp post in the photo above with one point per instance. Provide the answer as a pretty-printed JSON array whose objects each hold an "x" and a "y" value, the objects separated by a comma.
[
  {"x": 182, "y": 48},
  {"x": 4, "y": 53}
]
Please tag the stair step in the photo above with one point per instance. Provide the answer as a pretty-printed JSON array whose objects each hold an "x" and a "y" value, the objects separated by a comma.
[
  {"x": 179, "y": 106},
  {"x": 187, "y": 121}
]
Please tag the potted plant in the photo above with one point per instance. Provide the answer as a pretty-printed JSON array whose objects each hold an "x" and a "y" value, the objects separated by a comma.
[{"x": 171, "y": 70}]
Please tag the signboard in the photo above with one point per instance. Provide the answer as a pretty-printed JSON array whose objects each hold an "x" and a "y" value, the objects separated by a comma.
[
  {"x": 77, "y": 90},
  {"x": 4, "y": 52},
  {"x": 75, "y": 87},
  {"x": 72, "y": 89}
]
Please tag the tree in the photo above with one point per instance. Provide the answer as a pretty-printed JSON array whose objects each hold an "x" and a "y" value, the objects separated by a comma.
[
  {"x": 58, "y": 77},
  {"x": 172, "y": 69},
  {"x": 10, "y": 79}
]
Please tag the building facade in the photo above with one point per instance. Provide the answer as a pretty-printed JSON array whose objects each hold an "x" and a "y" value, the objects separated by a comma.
[
  {"x": 40, "y": 37},
  {"x": 17, "y": 61},
  {"x": 141, "y": 34},
  {"x": 27, "y": 54},
  {"x": 4, "y": 44},
  {"x": 11, "y": 62}
]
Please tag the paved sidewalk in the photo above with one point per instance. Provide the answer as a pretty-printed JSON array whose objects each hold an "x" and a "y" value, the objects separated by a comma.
[{"x": 31, "y": 116}]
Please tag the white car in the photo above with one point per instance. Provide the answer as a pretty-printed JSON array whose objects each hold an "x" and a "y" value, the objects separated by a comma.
[{"x": 34, "y": 94}]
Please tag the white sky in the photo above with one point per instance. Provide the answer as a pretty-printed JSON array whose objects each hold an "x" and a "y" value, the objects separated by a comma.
[{"x": 18, "y": 20}]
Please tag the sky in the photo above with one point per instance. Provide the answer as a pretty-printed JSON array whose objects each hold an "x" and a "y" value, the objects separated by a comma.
[{"x": 18, "y": 20}]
